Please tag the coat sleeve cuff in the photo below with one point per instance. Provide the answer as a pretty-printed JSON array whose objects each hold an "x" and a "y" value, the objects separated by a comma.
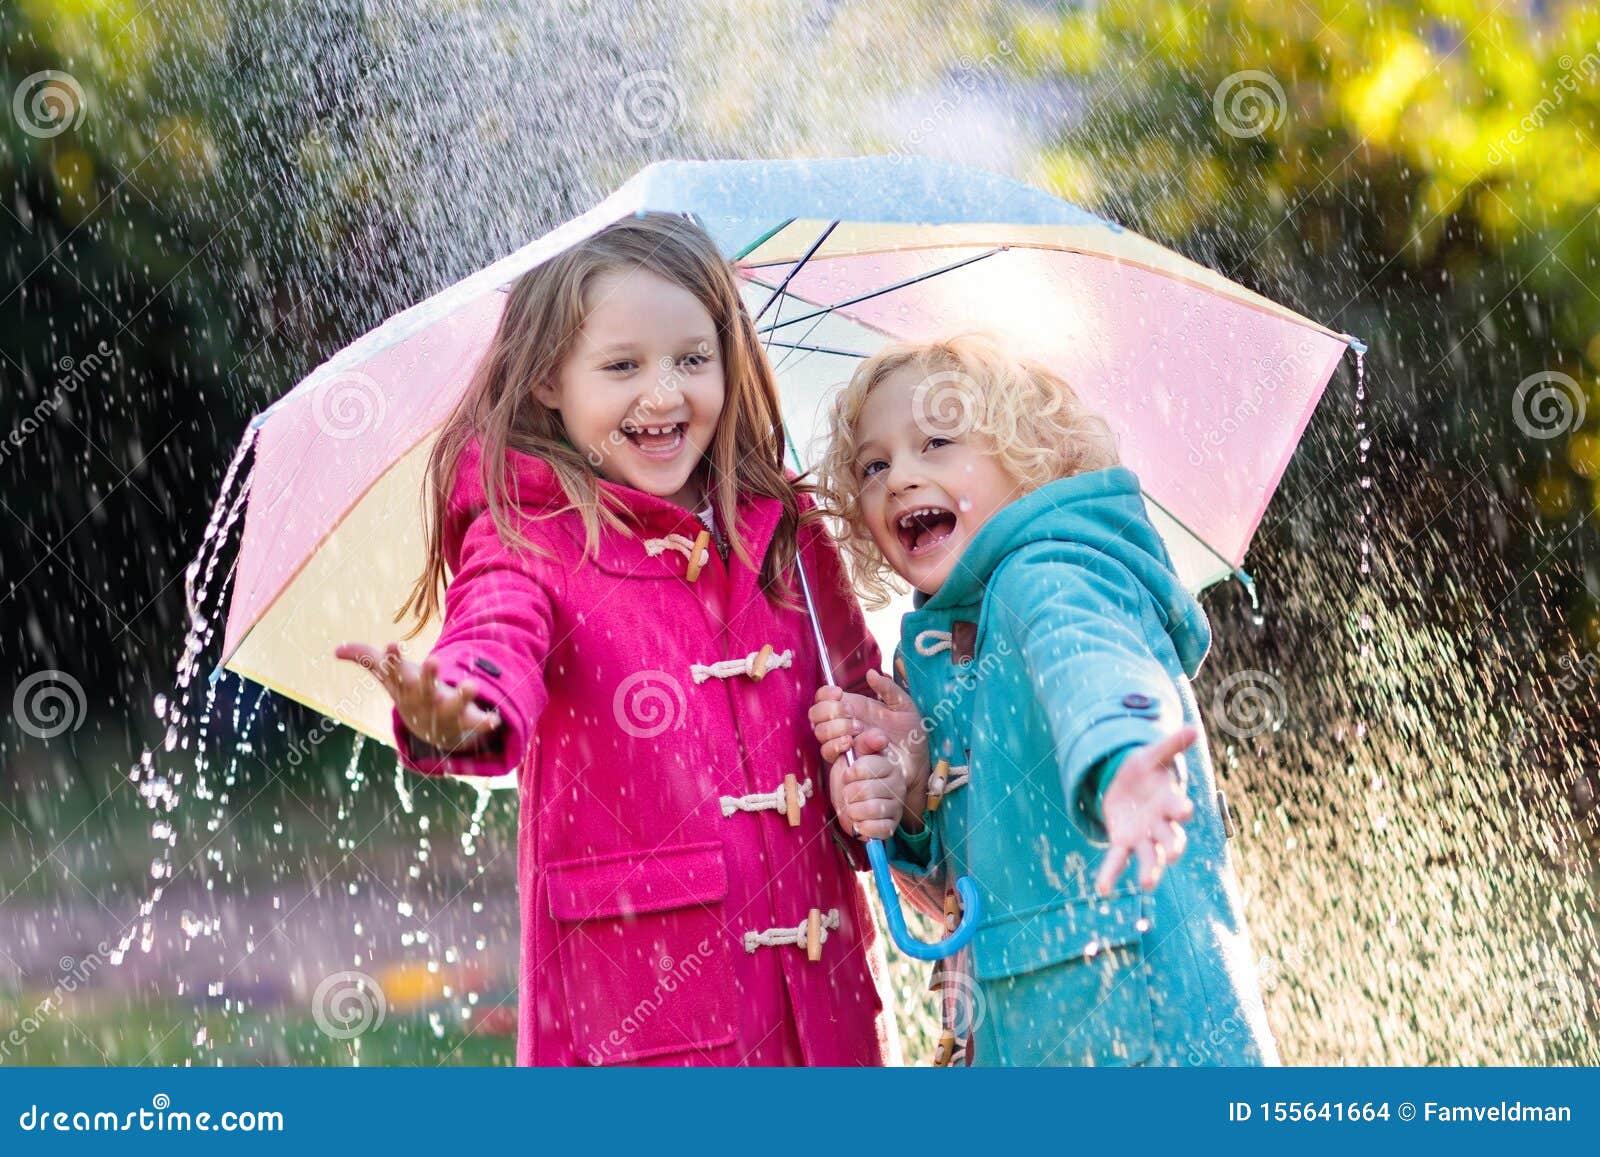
[
  {"x": 1086, "y": 769},
  {"x": 914, "y": 853},
  {"x": 501, "y": 756}
]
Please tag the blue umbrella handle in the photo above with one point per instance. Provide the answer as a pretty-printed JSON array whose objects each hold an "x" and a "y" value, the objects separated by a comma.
[{"x": 971, "y": 911}]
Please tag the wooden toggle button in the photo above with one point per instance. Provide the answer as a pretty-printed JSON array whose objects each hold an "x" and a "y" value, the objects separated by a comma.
[
  {"x": 758, "y": 668},
  {"x": 952, "y": 910},
  {"x": 814, "y": 935},
  {"x": 946, "y": 1049},
  {"x": 698, "y": 555},
  {"x": 941, "y": 771},
  {"x": 791, "y": 799}
]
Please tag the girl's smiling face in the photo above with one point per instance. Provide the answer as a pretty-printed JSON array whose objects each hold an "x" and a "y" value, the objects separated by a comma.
[
  {"x": 642, "y": 389},
  {"x": 925, "y": 487}
]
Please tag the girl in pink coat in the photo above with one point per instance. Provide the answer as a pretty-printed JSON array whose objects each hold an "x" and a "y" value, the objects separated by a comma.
[{"x": 622, "y": 628}]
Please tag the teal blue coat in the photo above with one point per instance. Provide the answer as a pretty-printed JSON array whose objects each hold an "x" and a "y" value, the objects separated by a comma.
[{"x": 1072, "y": 641}]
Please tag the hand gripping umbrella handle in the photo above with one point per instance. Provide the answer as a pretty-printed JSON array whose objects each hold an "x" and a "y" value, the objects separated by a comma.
[
  {"x": 876, "y": 852},
  {"x": 971, "y": 911}
]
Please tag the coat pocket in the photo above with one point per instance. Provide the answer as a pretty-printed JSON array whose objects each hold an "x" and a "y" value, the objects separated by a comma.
[
  {"x": 1065, "y": 984},
  {"x": 644, "y": 957}
]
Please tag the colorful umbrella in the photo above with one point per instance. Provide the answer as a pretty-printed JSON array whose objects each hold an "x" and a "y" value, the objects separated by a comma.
[{"x": 1207, "y": 384}]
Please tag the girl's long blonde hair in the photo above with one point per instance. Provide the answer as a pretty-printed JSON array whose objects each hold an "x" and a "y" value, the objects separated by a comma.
[
  {"x": 1034, "y": 422},
  {"x": 543, "y": 315}
]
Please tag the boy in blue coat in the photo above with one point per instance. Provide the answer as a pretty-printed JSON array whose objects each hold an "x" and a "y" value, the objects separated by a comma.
[{"x": 1047, "y": 735}]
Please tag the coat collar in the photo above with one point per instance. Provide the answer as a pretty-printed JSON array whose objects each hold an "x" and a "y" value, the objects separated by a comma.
[{"x": 538, "y": 491}]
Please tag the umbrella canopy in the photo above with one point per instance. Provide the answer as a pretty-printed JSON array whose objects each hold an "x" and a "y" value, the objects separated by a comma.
[{"x": 1207, "y": 384}]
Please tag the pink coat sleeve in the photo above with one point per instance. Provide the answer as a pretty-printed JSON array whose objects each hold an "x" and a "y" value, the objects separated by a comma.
[
  {"x": 497, "y": 630},
  {"x": 852, "y": 652}
]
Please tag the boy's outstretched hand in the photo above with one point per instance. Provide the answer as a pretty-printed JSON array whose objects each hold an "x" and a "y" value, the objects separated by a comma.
[
  {"x": 1143, "y": 809},
  {"x": 440, "y": 714}
]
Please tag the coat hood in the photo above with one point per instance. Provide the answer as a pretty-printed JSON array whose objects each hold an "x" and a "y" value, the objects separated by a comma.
[
  {"x": 1103, "y": 510},
  {"x": 535, "y": 484}
]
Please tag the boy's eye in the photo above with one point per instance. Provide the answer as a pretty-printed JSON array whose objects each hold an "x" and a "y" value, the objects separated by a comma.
[{"x": 936, "y": 442}]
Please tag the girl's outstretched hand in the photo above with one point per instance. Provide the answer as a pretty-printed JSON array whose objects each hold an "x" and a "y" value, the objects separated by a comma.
[
  {"x": 440, "y": 714},
  {"x": 838, "y": 716},
  {"x": 1143, "y": 810}
]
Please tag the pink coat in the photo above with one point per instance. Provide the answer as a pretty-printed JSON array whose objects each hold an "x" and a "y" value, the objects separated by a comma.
[{"x": 661, "y": 889}]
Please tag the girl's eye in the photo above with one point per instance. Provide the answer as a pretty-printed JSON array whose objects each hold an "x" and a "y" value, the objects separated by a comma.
[
  {"x": 695, "y": 360},
  {"x": 622, "y": 366},
  {"x": 871, "y": 468}
]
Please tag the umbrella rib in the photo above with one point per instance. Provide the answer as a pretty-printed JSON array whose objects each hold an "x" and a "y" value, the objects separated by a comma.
[
  {"x": 816, "y": 349},
  {"x": 799, "y": 265},
  {"x": 876, "y": 292}
]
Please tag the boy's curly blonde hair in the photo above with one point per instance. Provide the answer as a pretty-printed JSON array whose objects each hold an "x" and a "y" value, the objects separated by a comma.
[{"x": 1038, "y": 427}]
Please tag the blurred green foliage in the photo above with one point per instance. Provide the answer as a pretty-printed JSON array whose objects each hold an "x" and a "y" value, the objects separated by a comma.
[{"x": 1423, "y": 175}]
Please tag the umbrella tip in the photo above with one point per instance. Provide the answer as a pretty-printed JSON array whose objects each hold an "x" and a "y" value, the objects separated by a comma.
[
  {"x": 1249, "y": 585},
  {"x": 1356, "y": 344}
]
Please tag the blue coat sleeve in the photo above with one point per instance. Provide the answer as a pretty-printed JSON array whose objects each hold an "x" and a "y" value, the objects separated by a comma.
[{"x": 1076, "y": 619}]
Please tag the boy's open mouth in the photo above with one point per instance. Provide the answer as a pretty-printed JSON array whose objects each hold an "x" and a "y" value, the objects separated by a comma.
[
  {"x": 924, "y": 528},
  {"x": 656, "y": 441}
]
